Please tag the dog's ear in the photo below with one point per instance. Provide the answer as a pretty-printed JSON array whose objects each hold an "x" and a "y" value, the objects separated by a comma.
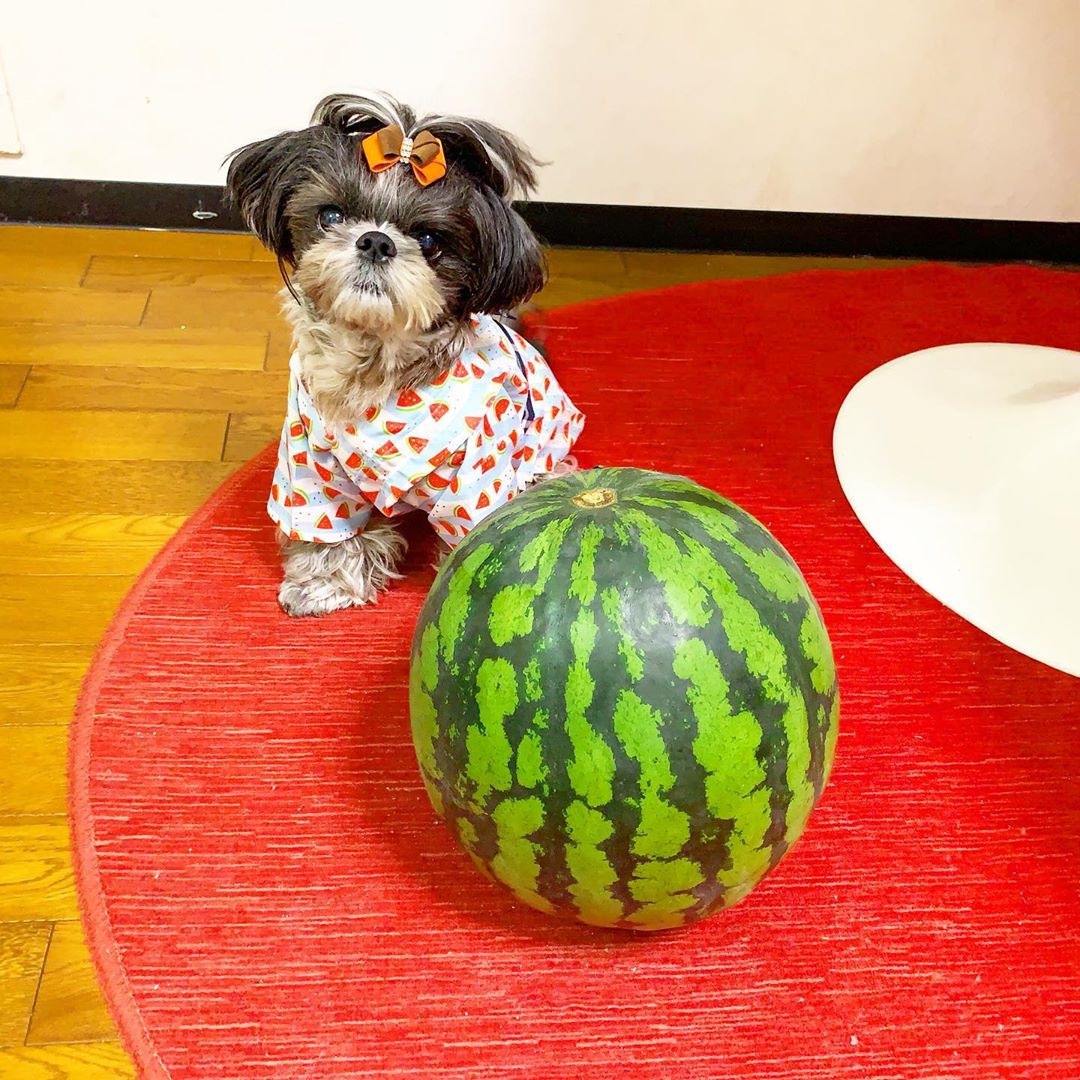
[
  {"x": 262, "y": 176},
  {"x": 487, "y": 153},
  {"x": 513, "y": 266}
]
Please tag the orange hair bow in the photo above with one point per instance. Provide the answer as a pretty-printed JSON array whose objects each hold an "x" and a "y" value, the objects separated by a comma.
[{"x": 391, "y": 146}]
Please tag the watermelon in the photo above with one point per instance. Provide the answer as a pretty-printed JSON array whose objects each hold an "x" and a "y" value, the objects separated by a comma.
[{"x": 623, "y": 699}]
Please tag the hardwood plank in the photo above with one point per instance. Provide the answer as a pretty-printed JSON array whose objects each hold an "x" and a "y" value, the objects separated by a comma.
[
  {"x": 256, "y": 310},
  {"x": 56, "y": 387},
  {"x": 585, "y": 262},
  {"x": 22, "y": 957},
  {"x": 36, "y": 877},
  {"x": 39, "y": 684},
  {"x": 126, "y": 487},
  {"x": 23, "y": 304},
  {"x": 119, "y": 272},
  {"x": 577, "y": 274},
  {"x": 58, "y": 610},
  {"x": 279, "y": 348},
  {"x": 97, "y": 435},
  {"x": 35, "y": 780},
  {"x": 81, "y": 1061},
  {"x": 69, "y": 1005},
  {"x": 657, "y": 269},
  {"x": 250, "y": 434},
  {"x": 43, "y": 544},
  {"x": 261, "y": 254},
  {"x": 67, "y": 240},
  {"x": 118, "y": 346},
  {"x": 561, "y": 291},
  {"x": 12, "y": 378},
  {"x": 35, "y": 269}
]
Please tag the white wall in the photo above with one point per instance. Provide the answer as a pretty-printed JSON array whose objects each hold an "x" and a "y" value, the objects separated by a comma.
[{"x": 941, "y": 107}]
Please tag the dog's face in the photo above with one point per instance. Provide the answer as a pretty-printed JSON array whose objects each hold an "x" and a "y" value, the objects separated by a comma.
[{"x": 379, "y": 252}]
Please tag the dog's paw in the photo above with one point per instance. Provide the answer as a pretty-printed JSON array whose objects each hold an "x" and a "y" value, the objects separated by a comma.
[{"x": 318, "y": 596}]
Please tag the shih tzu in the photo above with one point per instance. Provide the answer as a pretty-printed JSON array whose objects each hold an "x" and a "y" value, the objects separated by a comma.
[{"x": 400, "y": 249}]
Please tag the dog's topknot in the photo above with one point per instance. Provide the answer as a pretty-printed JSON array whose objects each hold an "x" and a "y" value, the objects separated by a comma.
[{"x": 490, "y": 154}]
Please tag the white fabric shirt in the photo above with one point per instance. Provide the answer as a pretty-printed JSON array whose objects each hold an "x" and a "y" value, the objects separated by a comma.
[{"x": 456, "y": 449}]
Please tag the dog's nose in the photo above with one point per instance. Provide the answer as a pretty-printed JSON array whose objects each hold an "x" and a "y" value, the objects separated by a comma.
[{"x": 376, "y": 246}]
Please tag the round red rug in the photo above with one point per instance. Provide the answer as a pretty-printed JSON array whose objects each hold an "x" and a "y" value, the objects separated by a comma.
[{"x": 268, "y": 893}]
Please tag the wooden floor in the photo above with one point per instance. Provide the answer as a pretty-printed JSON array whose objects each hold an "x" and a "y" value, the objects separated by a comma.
[{"x": 137, "y": 369}]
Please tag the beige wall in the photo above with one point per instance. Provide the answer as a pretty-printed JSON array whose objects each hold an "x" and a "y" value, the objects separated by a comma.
[{"x": 942, "y": 107}]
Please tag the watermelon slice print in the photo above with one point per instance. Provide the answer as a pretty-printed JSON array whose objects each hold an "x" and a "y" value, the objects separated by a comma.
[
  {"x": 393, "y": 427},
  {"x": 388, "y": 449},
  {"x": 460, "y": 371},
  {"x": 438, "y": 410},
  {"x": 500, "y": 408},
  {"x": 324, "y": 523},
  {"x": 324, "y": 473},
  {"x": 296, "y": 429},
  {"x": 300, "y": 458},
  {"x": 417, "y": 444},
  {"x": 472, "y": 422},
  {"x": 462, "y": 513},
  {"x": 299, "y": 498},
  {"x": 353, "y": 461},
  {"x": 439, "y": 380},
  {"x": 458, "y": 458},
  {"x": 371, "y": 413},
  {"x": 342, "y": 511},
  {"x": 409, "y": 399},
  {"x": 439, "y": 458},
  {"x": 489, "y": 431},
  {"x": 483, "y": 502},
  {"x": 331, "y": 493}
]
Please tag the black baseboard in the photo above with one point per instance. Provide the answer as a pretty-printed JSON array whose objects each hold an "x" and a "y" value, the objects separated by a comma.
[{"x": 198, "y": 206}]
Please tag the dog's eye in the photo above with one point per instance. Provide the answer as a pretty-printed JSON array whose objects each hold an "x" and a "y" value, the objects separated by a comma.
[
  {"x": 329, "y": 216},
  {"x": 429, "y": 244}
]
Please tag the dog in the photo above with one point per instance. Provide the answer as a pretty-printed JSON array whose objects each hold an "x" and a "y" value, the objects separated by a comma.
[{"x": 400, "y": 249}]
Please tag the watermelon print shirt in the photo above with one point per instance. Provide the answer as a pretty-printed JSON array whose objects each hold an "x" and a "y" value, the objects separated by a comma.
[{"x": 456, "y": 449}]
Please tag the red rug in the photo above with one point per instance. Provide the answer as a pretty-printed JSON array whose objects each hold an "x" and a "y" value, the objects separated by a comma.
[{"x": 268, "y": 893}]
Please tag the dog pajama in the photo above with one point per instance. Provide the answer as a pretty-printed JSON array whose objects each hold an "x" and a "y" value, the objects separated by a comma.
[{"x": 456, "y": 449}]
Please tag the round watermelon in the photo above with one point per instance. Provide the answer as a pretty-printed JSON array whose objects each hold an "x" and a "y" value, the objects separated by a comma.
[{"x": 623, "y": 699}]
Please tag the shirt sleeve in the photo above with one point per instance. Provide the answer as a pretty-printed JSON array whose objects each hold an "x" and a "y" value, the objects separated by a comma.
[{"x": 312, "y": 497}]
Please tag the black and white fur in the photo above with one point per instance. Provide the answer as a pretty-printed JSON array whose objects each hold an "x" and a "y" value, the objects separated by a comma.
[{"x": 367, "y": 327}]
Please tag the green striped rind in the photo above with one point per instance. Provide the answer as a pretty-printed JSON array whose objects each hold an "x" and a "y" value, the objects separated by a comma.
[{"x": 627, "y": 713}]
